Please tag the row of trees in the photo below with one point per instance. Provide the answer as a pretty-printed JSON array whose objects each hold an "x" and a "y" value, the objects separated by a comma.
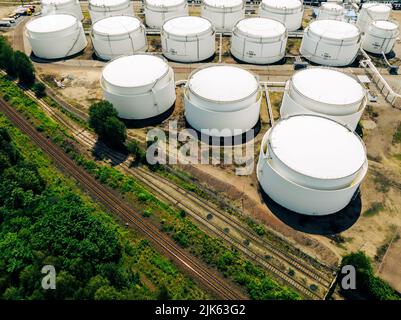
[{"x": 16, "y": 63}]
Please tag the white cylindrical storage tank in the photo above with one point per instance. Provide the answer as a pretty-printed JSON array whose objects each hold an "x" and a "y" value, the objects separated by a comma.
[
  {"x": 99, "y": 9},
  {"x": 371, "y": 12},
  {"x": 330, "y": 93},
  {"x": 188, "y": 39},
  {"x": 159, "y": 11},
  {"x": 331, "y": 42},
  {"x": 311, "y": 164},
  {"x": 117, "y": 36},
  {"x": 139, "y": 86},
  {"x": 224, "y": 14},
  {"x": 288, "y": 12},
  {"x": 55, "y": 36},
  {"x": 380, "y": 36},
  {"x": 61, "y": 7},
  {"x": 222, "y": 100},
  {"x": 259, "y": 40},
  {"x": 331, "y": 11}
]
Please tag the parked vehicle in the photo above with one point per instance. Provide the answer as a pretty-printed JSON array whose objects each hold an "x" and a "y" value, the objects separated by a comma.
[{"x": 5, "y": 23}]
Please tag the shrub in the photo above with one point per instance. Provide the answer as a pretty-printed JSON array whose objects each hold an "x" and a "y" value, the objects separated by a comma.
[{"x": 39, "y": 89}]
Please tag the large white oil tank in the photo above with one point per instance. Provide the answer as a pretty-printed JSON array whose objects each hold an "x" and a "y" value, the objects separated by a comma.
[
  {"x": 380, "y": 36},
  {"x": 222, "y": 100},
  {"x": 159, "y": 11},
  {"x": 311, "y": 165},
  {"x": 331, "y": 11},
  {"x": 188, "y": 39},
  {"x": 325, "y": 92},
  {"x": 61, "y": 7},
  {"x": 259, "y": 40},
  {"x": 331, "y": 42},
  {"x": 55, "y": 36},
  {"x": 139, "y": 86},
  {"x": 99, "y": 9},
  {"x": 288, "y": 12},
  {"x": 372, "y": 11},
  {"x": 118, "y": 36},
  {"x": 224, "y": 14}
]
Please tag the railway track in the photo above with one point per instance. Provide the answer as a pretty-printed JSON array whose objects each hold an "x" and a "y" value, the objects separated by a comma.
[
  {"x": 122, "y": 209},
  {"x": 198, "y": 211}
]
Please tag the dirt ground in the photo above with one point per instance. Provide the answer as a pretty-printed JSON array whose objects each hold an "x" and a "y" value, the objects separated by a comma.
[
  {"x": 6, "y": 10},
  {"x": 368, "y": 224}
]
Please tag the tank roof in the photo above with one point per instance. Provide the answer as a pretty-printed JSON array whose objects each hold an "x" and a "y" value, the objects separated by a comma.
[
  {"x": 48, "y": 2},
  {"x": 164, "y": 3},
  {"x": 317, "y": 147},
  {"x": 116, "y": 25},
  {"x": 187, "y": 25},
  {"x": 135, "y": 71},
  {"x": 223, "y": 3},
  {"x": 377, "y": 7},
  {"x": 261, "y": 27},
  {"x": 285, "y": 4},
  {"x": 328, "y": 86},
  {"x": 223, "y": 83},
  {"x": 334, "y": 29},
  {"x": 384, "y": 24},
  {"x": 51, "y": 23},
  {"x": 332, "y": 6},
  {"x": 107, "y": 3}
]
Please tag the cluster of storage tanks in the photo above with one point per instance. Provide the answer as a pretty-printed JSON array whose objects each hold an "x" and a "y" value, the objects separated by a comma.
[
  {"x": 329, "y": 40},
  {"x": 115, "y": 31},
  {"x": 311, "y": 161}
]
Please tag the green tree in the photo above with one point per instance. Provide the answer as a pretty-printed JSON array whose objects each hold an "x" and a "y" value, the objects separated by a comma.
[
  {"x": 7, "y": 58},
  {"x": 107, "y": 293},
  {"x": 24, "y": 68},
  {"x": 39, "y": 89},
  {"x": 368, "y": 286},
  {"x": 103, "y": 119}
]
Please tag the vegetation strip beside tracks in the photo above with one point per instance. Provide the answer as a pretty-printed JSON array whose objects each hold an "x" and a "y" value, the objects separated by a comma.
[{"x": 121, "y": 209}]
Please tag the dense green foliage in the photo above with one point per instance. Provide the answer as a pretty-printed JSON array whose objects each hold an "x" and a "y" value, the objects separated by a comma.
[
  {"x": 39, "y": 89},
  {"x": 103, "y": 119},
  {"x": 24, "y": 68},
  {"x": 368, "y": 286},
  {"x": 43, "y": 220},
  {"x": 16, "y": 64}
]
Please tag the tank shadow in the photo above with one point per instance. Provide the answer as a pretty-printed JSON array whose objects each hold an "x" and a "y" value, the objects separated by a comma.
[
  {"x": 354, "y": 64},
  {"x": 99, "y": 151},
  {"x": 207, "y": 60},
  {"x": 37, "y": 59},
  {"x": 226, "y": 141},
  {"x": 136, "y": 124},
  {"x": 321, "y": 225},
  {"x": 277, "y": 63},
  {"x": 389, "y": 55}
]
